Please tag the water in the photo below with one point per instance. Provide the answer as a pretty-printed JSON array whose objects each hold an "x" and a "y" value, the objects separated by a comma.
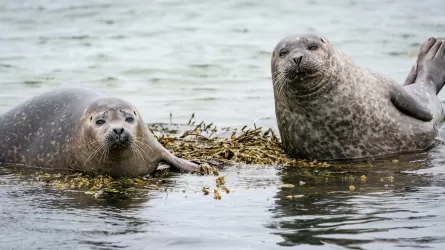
[{"x": 213, "y": 58}]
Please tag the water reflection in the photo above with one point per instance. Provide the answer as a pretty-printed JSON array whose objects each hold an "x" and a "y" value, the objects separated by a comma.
[
  {"x": 213, "y": 58},
  {"x": 39, "y": 216},
  {"x": 395, "y": 207}
]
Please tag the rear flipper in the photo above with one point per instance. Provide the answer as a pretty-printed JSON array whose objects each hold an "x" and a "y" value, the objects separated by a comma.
[
  {"x": 178, "y": 163},
  {"x": 430, "y": 66},
  {"x": 411, "y": 78}
]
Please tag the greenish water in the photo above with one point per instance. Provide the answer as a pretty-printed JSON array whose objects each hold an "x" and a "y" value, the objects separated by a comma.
[{"x": 213, "y": 58}]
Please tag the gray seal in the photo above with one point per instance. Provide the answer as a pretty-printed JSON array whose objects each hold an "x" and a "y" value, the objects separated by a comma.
[
  {"x": 84, "y": 130},
  {"x": 329, "y": 108}
]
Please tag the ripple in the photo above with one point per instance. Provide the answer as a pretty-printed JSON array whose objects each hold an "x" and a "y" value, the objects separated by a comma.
[{"x": 213, "y": 58}]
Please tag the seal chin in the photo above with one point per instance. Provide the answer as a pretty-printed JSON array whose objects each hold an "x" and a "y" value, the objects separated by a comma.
[
  {"x": 297, "y": 75},
  {"x": 118, "y": 139},
  {"x": 300, "y": 71}
]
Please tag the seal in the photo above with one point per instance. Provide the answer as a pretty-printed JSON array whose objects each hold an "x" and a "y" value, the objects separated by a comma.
[
  {"x": 329, "y": 108},
  {"x": 82, "y": 130}
]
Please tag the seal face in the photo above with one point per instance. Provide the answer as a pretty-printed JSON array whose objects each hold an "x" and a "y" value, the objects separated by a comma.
[
  {"x": 329, "y": 108},
  {"x": 112, "y": 133},
  {"x": 299, "y": 60},
  {"x": 80, "y": 129},
  {"x": 111, "y": 128}
]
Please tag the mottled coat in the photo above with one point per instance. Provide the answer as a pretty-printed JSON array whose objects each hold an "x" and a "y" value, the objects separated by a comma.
[
  {"x": 347, "y": 113},
  {"x": 55, "y": 130}
]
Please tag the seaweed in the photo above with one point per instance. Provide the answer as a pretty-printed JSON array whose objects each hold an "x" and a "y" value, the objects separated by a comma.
[
  {"x": 253, "y": 146},
  {"x": 96, "y": 184},
  {"x": 205, "y": 144}
]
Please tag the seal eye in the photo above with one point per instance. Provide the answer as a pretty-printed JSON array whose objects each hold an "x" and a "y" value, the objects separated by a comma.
[
  {"x": 100, "y": 122},
  {"x": 283, "y": 52},
  {"x": 134, "y": 112},
  {"x": 322, "y": 40},
  {"x": 313, "y": 47},
  {"x": 129, "y": 120},
  {"x": 91, "y": 118}
]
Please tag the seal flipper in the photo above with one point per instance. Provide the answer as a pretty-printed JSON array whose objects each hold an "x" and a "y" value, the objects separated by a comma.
[
  {"x": 424, "y": 48},
  {"x": 431, "y": 70},
  {"x": 178, "y": 163},
  {"x": 411, "y": 78},
  {"x": 429, "y": 67},
  {"x": 408, "y": 104}
]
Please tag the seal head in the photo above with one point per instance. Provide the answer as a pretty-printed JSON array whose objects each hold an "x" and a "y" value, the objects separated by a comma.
[
  {"x": 113, "y": 134},
  {"x": 304, "y": 61},
  {"x": 112, "y": 126}
]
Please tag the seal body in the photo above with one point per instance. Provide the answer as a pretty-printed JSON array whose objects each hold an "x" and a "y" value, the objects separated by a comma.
[
  {"x": 328, "y": 108},
  {"x": 81, "y": 129}
]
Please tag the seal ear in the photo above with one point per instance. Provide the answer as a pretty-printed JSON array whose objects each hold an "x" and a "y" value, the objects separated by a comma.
[{"x": 408, "y": 104}]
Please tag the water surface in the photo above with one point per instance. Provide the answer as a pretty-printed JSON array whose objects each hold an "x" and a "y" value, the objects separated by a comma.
[{"x": 213, "y": 58}]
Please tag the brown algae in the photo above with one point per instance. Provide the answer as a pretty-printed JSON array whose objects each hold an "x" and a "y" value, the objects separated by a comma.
[{"x": 248, "y": 146}]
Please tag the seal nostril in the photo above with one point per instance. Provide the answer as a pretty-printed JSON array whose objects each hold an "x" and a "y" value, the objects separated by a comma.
[
  {"x": 118, "y": 131},
  {"x": 297, "y": 59}
]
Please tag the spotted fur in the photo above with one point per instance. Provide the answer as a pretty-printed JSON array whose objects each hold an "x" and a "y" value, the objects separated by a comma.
[
  {"x": 344, "y": 111},
  {"x": 50, "y": 131}
]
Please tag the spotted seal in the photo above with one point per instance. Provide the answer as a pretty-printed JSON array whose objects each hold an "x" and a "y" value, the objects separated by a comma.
[
  {"x": 82, "y": 129},
  {"x": 329, "y": 108}
]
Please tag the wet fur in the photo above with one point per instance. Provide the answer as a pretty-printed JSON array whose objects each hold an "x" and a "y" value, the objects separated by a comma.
[
  {"x": 348, "y": 113},
  {"x": 50, "y": 131}
]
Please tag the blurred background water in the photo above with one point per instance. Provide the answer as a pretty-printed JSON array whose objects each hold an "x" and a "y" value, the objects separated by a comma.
[
  {"x": 207, "y": 57},
  {"x": 213, "y": 58}
]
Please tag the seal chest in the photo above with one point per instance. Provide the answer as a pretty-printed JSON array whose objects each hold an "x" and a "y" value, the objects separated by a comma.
[{"x": 328, "y": 108}]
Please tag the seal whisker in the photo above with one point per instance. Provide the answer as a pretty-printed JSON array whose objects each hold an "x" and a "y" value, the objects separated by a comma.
[
  {"x": 141, "y": 150},
  {"x": 107, "y": 154},
  {"x": 286, "y": 87},
  {"x": 141, "y": 153},
  {"x": 283, "y": 83},
  {"x": 276, "y": 73},
  {"x": 103, "y": 155},
  {"x": 95, "y": 142},
  {"x": 144, "y": 154},
  {"x": 280, "y": 82},
  {"x": 276, "y": 77},
  {"x": 92, "y": 147},
  {"x": 95, "y": 151},
  {"x": 139, "y": 140},
  {"x": 102, "y": 150},
  {"x": 141, "y": 156},
  {"x": 132, "y": 151},
  {"x": 136, "y": 152}
]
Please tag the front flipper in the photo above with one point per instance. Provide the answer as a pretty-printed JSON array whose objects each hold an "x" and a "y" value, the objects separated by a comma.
[
  {"x": 408, "y": 104},
  {"x": 178, "y": 163}
]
